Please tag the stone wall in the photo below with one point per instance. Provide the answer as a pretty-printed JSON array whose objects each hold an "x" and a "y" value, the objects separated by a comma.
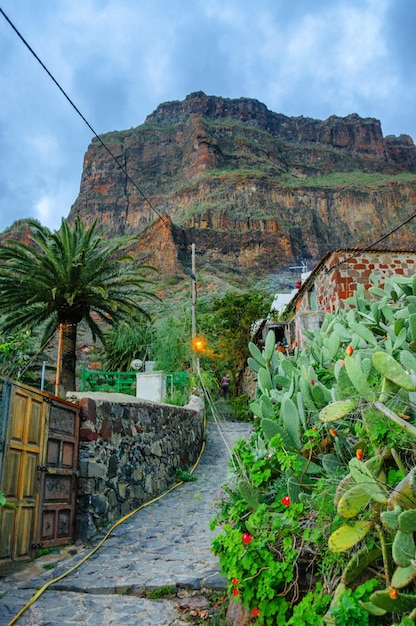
[
  {"x": 130, "y": 450},
  {"x": 337, "y": 277},
  {"x": 334, "y": 287}
]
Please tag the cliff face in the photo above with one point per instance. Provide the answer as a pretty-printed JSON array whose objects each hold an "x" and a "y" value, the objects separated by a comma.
[{"x": 253, "y": 189}]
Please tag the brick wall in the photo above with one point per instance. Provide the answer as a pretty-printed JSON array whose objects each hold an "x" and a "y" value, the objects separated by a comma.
[{"x": 334, "y": 286}]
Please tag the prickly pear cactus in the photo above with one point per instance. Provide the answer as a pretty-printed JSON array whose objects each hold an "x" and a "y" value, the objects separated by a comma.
[{"x": 358, "y": 368}]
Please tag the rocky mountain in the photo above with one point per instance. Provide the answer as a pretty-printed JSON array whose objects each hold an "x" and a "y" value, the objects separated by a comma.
[{"x": 256, "y": 191}]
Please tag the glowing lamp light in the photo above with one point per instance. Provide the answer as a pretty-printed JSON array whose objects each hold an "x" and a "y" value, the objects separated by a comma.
[{"x": 199, "y": 344}]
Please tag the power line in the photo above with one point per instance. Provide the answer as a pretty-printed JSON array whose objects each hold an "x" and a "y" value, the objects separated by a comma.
[
  {"x": 120, "y": 165},
  {"x": 372, "y": 244}
]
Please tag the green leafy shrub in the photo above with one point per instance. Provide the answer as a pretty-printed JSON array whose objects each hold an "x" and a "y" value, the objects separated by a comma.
[{"x": 240, "y": 409}]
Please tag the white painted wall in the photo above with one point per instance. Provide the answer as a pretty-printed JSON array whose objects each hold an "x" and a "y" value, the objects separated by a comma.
[{"x": 151, "y": 386}]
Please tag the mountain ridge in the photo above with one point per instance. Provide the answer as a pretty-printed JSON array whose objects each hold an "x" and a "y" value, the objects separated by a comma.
[{"x": 256, "y": 191}]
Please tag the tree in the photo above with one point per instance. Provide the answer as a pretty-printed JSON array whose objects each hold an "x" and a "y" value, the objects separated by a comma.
[
  {"x": 232, "y": 321},
  {"x": 64, "y": 277},
  {"x": 17, "y": 352}
]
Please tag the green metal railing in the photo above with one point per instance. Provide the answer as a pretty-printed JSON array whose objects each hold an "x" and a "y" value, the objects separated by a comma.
[
  {"x": 116, "y": 382},
  {"x": 125, "y": 382}
]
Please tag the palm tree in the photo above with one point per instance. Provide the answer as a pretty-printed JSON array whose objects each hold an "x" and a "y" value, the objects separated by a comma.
[{"x": 64, "y": 277}]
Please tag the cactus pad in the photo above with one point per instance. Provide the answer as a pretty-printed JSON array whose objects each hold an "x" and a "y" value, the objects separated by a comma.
[
  {"x": 272, "y": 428},
  {"x": 256, "y": 354},
  {"x": 403, "y": 548},
  {"x": 345, "y": 537},
  {"x": 392, "y": 370},
  {"x": 407, "y": 521},
  {"x": 269, "y": 346},
  {"x": 403, "y": 603},
  {"x": 359, "y": 562},
  {"x": 403, "y": 576},
  {"x": 366, "y": 479},
  {"x": 337, "y": 410},
  {"x": 353, "y": 501},
  {"x": 356, "y": 375},
  {"x": 372, "y": 608},
  {"x": 390, "y": 519}
]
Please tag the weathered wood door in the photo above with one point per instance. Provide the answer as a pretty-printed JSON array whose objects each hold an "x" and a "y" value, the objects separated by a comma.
[
  {"x": 37, "y": 470},
  {"x": 58, "y": 476},
  {"x": 24, "y": 433}
]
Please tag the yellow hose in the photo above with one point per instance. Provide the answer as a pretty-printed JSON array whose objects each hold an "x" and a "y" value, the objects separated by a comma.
[{"x": 120, "y": 521}]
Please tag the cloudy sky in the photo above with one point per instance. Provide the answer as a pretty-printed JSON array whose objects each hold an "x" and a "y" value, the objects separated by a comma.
[{"x": 118, "y": 59}]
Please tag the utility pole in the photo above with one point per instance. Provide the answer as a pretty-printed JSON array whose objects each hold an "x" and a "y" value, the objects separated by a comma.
[
  {"x": 193, "y": 278},
  {"x": 195, "y": 360},
  {"x": 58, "y": 363}
]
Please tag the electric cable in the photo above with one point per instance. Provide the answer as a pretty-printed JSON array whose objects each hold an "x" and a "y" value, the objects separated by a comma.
[
  {"x": 216, "y": 418},
  {"x": 61, "y": 89},
  {"x": 232, "y": 454}
]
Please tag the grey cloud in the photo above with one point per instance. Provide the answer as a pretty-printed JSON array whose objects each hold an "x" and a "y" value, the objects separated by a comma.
[{"x": 118, "y": 59}]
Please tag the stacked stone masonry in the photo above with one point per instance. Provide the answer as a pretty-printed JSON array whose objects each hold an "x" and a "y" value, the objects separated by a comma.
[
  {"x": 130, "y": 451},
  {"x": 340, "y": 274}
]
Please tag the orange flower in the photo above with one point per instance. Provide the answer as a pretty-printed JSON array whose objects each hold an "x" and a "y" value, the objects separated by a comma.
[
  {"x": 349, "y": 350},
  {"x": 333, "y": 432},
  {"x": 393, "y": 593},
  {"x": 359, "y": 454}
]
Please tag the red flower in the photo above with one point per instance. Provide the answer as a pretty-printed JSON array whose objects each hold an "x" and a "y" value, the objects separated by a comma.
[
  {"x": 285, "y": 501},
  {"x": 342, "y": 363},
  {"x": 247, "y": 538},
  {"x": 359, "y": 454},
  {"x": 349, "y": 350},
  {"x": 235, "y": 581},
  {"x": 235, "y": 591},
  {"x": 312, "y": 382},
  {"x": 255, "y": 612},
  {"x": 333, "y": 432}
]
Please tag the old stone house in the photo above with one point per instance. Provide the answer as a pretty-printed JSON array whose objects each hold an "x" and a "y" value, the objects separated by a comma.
[{"x": 335, "y": 278}]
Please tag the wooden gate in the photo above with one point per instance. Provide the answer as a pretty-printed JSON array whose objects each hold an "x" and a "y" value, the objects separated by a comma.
[
  {"x": 58, "y": 470},
  {"x": 38, "y": 464}
]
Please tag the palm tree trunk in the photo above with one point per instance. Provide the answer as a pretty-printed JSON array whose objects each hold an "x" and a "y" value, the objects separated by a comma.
[{"x": 69, "y": 342}]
